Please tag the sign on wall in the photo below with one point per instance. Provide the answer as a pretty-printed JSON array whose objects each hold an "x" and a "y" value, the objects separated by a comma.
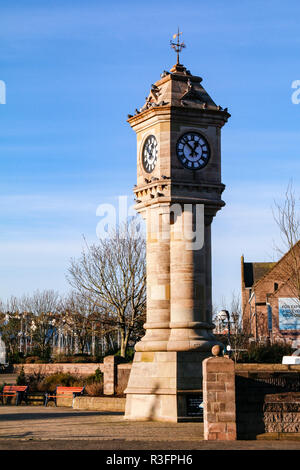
[{"x": 289, "y": 313}]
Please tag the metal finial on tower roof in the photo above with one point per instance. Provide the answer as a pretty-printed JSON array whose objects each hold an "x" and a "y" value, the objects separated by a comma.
[{"x": 177, "y": 46}]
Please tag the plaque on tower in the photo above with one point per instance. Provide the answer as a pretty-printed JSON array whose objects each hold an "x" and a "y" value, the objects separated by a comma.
[{"x": 194, "y": 405}]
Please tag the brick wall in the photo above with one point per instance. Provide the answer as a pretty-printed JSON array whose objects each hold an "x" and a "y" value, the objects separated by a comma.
[
  {"x": 116, "y": 375},
  {"x": 122, "y": 378},
  {"x": 282, "y": 413},
  {"x": 276, "y": 283},
  {"x": 255, "y": 386},
  {"x": 245, "y": 400},
  {"x": 219, "y": 399},
  {"x": 67, "y": 368}
]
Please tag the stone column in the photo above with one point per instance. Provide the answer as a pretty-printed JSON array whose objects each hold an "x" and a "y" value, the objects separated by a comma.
[
  {"x": 158, "y": 279},
  {"x": 208, "y": 275},
  {"x": 189, "y": 278},
  {"x": 109, "y": 375}
]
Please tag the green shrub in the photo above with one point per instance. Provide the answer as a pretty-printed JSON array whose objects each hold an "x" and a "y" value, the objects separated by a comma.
[
  {"x": 74, "y": 359},
  {"x": 81, "y": 358},
  {"x": 271, "y": 354},
  {"x": 129, "y": 354},
  {"x": 47, "y": 383},
  {"x": 97, "y": 377},
  {"x": 50, "y": 382},
  {"x": 61, "y": 359},
  {"x": 16, "y": 358}
]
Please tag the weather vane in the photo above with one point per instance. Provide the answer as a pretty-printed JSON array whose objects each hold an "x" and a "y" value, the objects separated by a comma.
[{"x": 177, "y": 46}]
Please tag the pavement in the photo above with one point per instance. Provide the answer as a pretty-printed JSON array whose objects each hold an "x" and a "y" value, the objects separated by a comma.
[{"x": 40, "y": 428}]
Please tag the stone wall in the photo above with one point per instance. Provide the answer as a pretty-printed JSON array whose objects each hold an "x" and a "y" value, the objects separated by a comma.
[
  {"x": 113, "y": 404},
  {"x": 240, "y": 400},
  {"x": 219, "y": 399},
  {"x": 245, "y": 400},
  {"x": 115, "y": 377},
  {"x": 282, "y": 413},
  {"x": 257, "y": 387},
  {"x": 84, "y": 369},
  {"x": 122, "y": 378}
]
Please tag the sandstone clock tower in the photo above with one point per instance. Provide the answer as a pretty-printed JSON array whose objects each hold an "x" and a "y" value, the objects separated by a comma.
[{"x": 178, "y": 193}]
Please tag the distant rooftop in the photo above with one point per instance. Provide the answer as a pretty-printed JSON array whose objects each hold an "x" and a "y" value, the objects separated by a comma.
[{"x": 255, "y": 271}]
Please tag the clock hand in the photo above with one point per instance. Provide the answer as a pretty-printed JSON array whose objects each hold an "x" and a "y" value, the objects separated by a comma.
[
  {"x": 192, "y": 149},
  {"x": 195, "y": 146},
  {"x": 190, "y": 146}
]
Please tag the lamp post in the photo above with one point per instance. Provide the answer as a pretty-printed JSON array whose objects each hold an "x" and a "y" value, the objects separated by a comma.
[{"x": 225, "y": 315}]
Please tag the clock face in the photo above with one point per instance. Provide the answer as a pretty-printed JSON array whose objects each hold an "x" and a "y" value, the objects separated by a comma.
[
  {"x": 193, "y": 151},
  {"x": 149, "y": 155}
]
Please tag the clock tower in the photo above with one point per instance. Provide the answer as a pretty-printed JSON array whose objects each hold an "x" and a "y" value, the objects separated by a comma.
[{"x": 178, "y": 192}]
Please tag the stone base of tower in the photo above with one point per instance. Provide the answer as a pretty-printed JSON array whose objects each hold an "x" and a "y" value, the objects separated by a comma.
[{"x": 165, "y": 386}]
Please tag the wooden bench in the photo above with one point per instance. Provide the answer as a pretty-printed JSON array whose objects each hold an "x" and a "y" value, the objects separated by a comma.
[
  {"x": 18, "y": 391},
  {"x": 63, "y": 392}
]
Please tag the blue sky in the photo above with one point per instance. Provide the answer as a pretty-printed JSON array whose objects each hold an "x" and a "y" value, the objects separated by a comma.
[{"x": 75, "y": 69}]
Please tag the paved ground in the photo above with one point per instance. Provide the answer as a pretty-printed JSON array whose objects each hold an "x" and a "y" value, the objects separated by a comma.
[{"x": 36, "y": 427}]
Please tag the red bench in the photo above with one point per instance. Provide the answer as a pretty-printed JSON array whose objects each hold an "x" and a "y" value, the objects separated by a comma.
[
  {"x": 18, "y": 391},
  {"x": 63, "y": 392}
]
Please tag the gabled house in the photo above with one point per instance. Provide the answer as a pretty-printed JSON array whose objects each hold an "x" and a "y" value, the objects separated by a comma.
[{"x": 271, "y": 298}]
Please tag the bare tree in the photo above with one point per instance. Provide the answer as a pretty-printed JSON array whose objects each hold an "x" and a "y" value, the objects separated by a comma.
[
  {"x": 78, "y": 320},
  {"x": 232, "y": 331},
  {"x": 10, "y": 325},
  {"x": 287, "y": 217},
  {"x": 112, "y": 274},
  {"x": 38, "y": 318},
  {"x": 40, "y": 302}
]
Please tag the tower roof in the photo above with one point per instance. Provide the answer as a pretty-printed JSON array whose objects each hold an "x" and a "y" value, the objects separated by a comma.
[{"x": 179, "y": 88}]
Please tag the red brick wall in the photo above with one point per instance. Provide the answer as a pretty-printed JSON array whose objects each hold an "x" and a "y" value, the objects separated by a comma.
[
  {"x": 265, "y": 292},
  {"x": 219, "y": 399}
]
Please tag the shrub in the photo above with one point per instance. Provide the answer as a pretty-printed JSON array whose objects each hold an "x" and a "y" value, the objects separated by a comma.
[
  {"x": 81, "y": 358},
  {"x": 74, "y": 359},
  {"x": 39, "y": 382},
  {"x": 32, "y": 359},
  {"x": 33, "y": 381},
  {"x": 41, "y": 355},
  {"x": 62, "y": 358},
  {"x": 15, "y": 358},
  {"x": 50, "y": 382},
  {"x": 97, "y": 377},
  {"x": 94, "y": 389},
  {"x": 271, "y": 354},
  {"x": 21, "y": 379},
  {"x": 129, "y": 354}
]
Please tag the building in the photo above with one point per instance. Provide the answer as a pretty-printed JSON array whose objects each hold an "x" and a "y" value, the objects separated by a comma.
[
  {"x": 179, "y": 189},
  {"x": 271, "y": 298},
  {"x": 2, "y": 352}
]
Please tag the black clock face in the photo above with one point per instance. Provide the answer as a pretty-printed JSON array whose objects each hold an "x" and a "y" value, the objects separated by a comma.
[
  {"x": 149, "y": 155},
  {"x": 193, "y": 151}
]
